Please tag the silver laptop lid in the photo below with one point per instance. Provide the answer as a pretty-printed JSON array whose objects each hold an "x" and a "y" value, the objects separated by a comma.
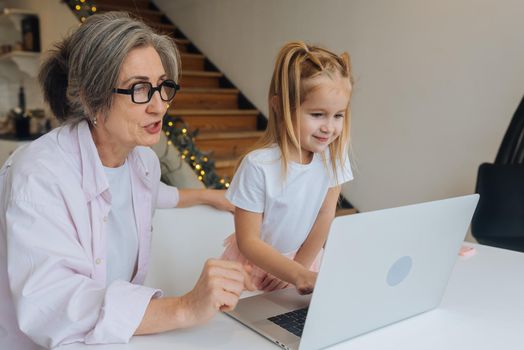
[{"x": 384, "y": 266}]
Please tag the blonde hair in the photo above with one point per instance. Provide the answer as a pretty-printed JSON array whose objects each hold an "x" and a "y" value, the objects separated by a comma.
[{"x": 295, "y": 65}]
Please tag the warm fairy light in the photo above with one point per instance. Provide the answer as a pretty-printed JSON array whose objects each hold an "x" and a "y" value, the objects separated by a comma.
[
  {"x": 184, "y": 130},
  {"x": 168, "y": 133},
  {"x": 78, "y": 7},
  {"x": 183, "y": 156},
  {"x": 227, "y": 184},
  {"x": 186, "y": 151},
  {"x": 198, "y": 167},
  {"x": 170, "y": 123},
  {"x": 222, "y": 181},
  {"x": 202, "y": 172},
  {"x": 200, "y": 178},
  {"x": 82, "y": 1},
  {"x": 82, "y": 19},
  {"x": 205, "y": 159},
  {"x": 93, "y": 9},
  {"x": 169, "y": 142},
  {"x": 192, "y": 158}
]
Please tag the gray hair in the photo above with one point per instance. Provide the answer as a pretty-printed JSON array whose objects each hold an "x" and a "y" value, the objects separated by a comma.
[{"x": 78, "y": 76}]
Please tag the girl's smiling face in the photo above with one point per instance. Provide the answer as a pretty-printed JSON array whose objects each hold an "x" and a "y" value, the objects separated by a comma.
[{"x": 322, "y": 114}]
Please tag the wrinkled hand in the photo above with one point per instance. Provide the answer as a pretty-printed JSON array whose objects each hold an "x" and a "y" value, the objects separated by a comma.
[
  {"x": 270, "y": 283},
  {"x": 218, "y": 288},
  {"x": 305, "y": 283},
  {"x": 218, "y": 200}
]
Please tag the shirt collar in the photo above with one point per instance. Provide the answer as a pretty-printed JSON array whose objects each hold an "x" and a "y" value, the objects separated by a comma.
[{"x": 78, "y": 139}]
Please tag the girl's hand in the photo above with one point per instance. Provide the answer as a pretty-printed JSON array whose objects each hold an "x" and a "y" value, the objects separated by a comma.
[
  {"x": 217, "y": 199},
  {"x": 306, "y": 282},
  {"x": 270, "y": 283}
]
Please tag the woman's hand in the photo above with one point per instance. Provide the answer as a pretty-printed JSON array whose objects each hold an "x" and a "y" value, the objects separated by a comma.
[
  {"x": 217, "y": 199},
  {"x": 218, "y": 289}
]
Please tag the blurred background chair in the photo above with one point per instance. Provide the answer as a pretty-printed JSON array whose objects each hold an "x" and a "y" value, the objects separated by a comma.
[{"x": 499, "y": 218}]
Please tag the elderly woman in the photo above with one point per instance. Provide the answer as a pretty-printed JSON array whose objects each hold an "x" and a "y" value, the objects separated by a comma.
[{"x": 76, "y": 204}]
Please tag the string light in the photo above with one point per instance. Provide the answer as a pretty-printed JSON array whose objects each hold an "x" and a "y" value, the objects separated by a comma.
[
  {"x": 180, "y": 136},
  {"x": 82, "y": 8}
]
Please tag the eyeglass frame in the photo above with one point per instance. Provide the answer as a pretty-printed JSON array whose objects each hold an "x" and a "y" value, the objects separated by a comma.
[{"x": 152, "y": 90}]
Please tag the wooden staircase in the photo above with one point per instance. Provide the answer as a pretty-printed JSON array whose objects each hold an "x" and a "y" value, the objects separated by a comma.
[{"x": 228, "y": 124}]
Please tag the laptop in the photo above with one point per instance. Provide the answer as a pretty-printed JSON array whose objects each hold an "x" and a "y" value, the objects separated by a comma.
[{"x": 378, "y": 268}]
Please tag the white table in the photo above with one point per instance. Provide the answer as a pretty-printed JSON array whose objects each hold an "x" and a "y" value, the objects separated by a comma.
[{"x": 483, "y": 308}]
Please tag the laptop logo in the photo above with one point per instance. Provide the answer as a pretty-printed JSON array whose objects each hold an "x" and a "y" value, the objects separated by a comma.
[{"x": 399, "y": 271}]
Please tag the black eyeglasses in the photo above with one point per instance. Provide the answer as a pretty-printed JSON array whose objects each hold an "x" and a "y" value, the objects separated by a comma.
[{"x": 143, "y": 92}]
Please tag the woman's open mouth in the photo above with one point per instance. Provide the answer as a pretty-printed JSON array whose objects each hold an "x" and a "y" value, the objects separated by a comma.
[{"x": 154, "y": 128}]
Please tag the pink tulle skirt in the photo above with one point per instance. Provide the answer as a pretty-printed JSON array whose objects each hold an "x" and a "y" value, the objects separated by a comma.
[{"x": 231, "y": 252}]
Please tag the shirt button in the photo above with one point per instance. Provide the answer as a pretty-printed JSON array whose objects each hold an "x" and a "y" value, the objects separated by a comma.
[
  {"x": 98, "y": 261},
  {"x": 105, "y": 219},
  {"x": 147, "y": 173}
]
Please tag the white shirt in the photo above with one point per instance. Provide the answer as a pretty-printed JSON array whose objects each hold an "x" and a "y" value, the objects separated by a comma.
[
  {"x": 290, "y": 205},
  {"x": 122, "y": 235}
]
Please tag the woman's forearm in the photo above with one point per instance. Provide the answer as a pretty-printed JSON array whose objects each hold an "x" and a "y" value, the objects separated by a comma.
[{"x": 215, "y": 198}]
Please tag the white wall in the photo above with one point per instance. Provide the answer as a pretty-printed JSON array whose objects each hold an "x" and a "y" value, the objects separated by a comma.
[{"x": 437, "y": 81}]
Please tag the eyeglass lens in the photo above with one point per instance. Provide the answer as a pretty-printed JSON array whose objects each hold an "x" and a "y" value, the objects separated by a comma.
[{"x": 143, "y": 92}]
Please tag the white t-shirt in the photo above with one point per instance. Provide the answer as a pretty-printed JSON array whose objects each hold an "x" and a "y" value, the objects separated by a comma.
[
  {"x": 289, "y": 207},
  {"x": 122, "y": 234}
]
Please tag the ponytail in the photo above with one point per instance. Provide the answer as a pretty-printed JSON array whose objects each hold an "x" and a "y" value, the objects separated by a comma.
[{"x": 53, "y": 80}]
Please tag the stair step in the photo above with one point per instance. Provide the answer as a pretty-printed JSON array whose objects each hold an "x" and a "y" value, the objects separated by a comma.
[
  {"x": 182, "y": 44},
  {"x": 141, "y": 4},
  {"x": 221, "y": 135},
  {"x": 218, "y": 120},
  {"x": 184, "y": 112},
  {"x": 193, "y": 61},
  {"x": 144, "y": 14},
  {"x": 163, "y": 28},
  {"x": 206, "y": 98},
  {"x": 345, "y": 211},
  {"x": 227, "y": 144},
  {"x": 225, "y": 167},
  {"x": 202, "y": 79}
]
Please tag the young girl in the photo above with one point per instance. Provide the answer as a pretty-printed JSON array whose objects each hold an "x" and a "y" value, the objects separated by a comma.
[{"x": 286, "y": 190}]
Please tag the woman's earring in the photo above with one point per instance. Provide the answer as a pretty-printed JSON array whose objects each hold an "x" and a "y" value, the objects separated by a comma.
[{"x": 94, "y": 121}]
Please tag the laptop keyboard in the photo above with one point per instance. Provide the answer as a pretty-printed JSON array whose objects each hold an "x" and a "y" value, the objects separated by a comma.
[{"x": 291, "y": 321}]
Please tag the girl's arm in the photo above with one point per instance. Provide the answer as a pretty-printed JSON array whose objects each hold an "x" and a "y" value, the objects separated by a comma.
[
  {"x": 215, "y": 198},
  {"x": 318, "y": 234},
  {"x": 247, "y": 225}
]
